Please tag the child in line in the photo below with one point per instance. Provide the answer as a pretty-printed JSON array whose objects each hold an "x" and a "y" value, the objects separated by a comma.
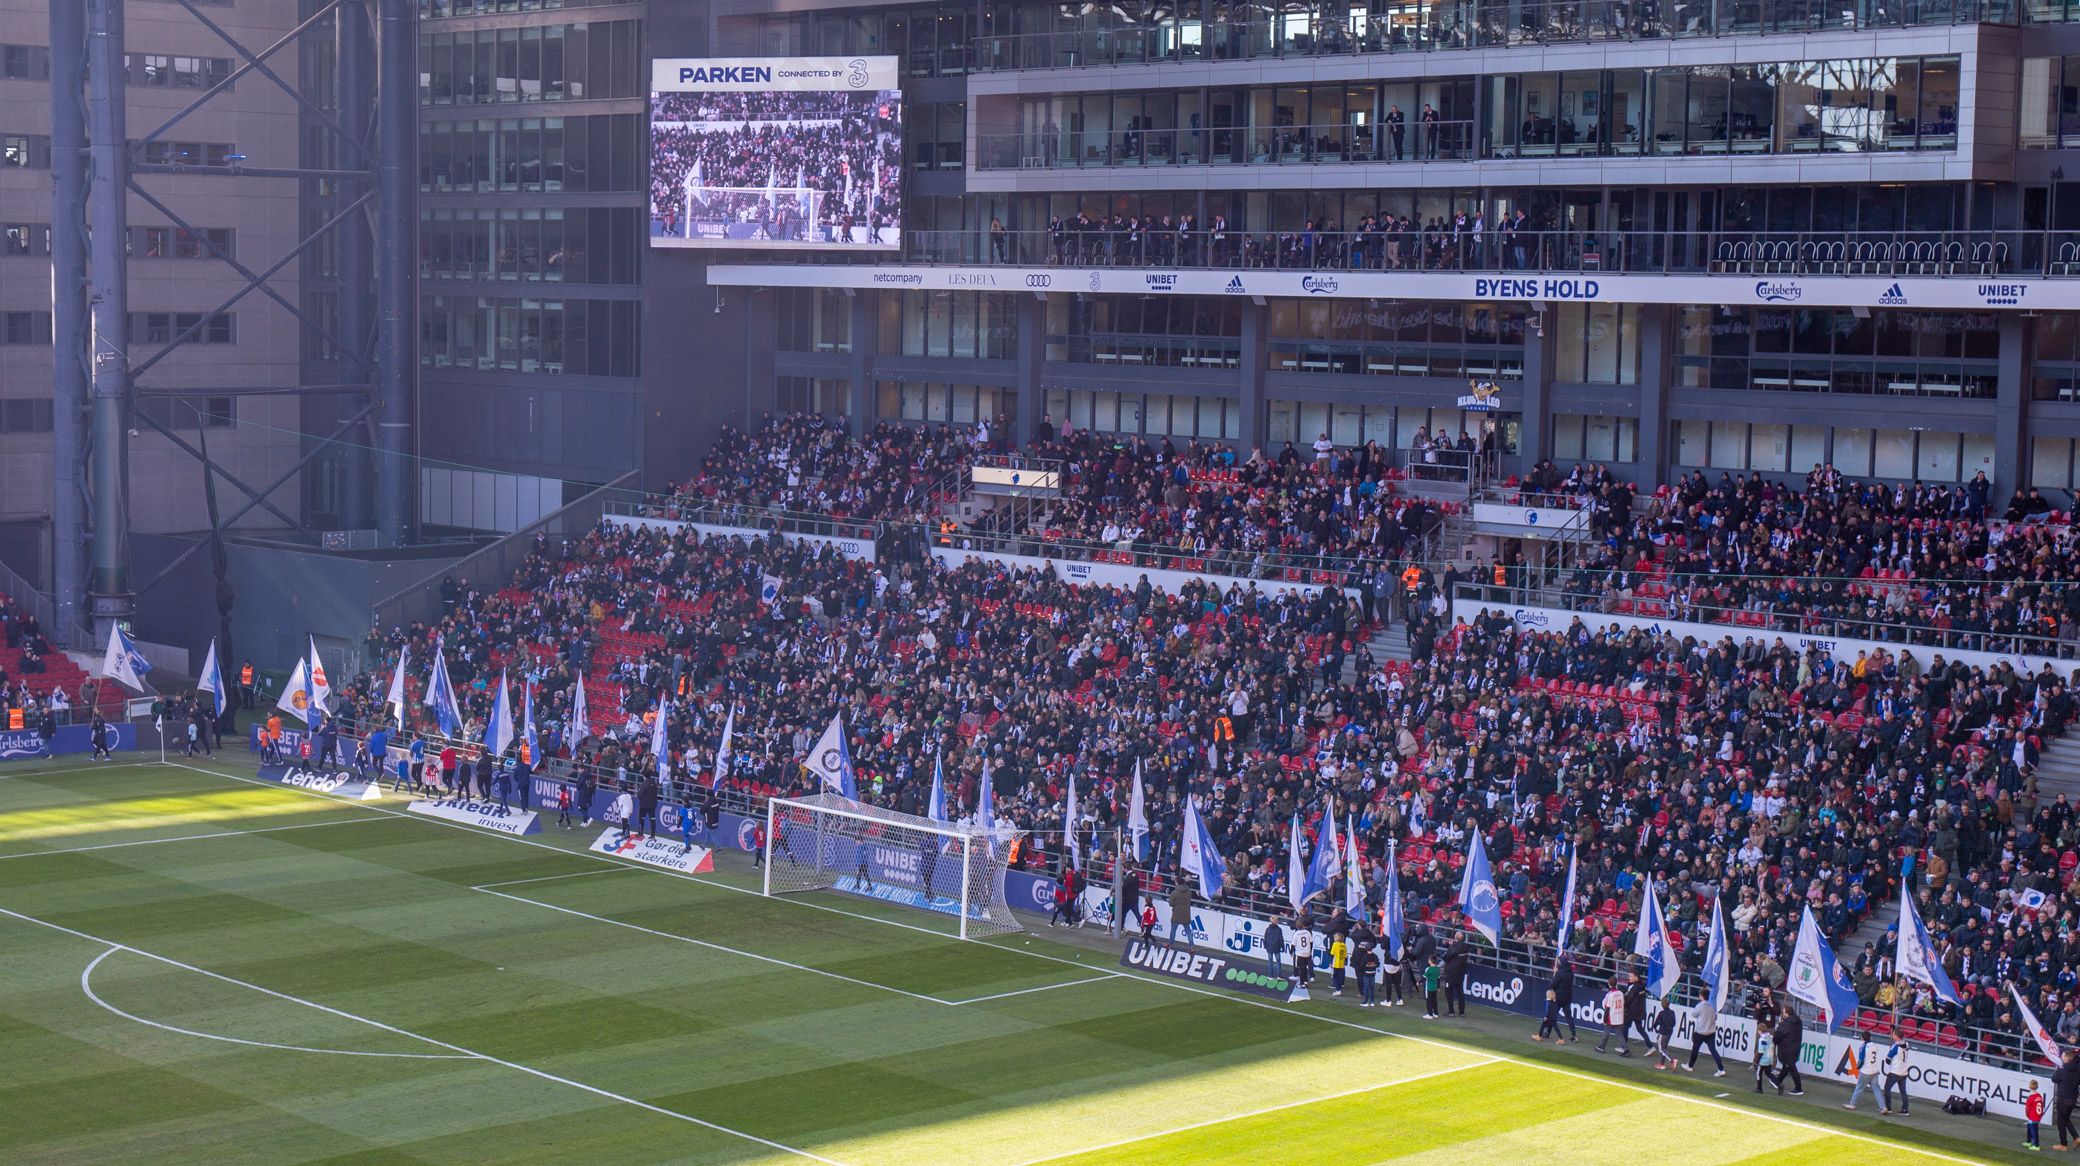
[
  {"x": 1432, "y": 977},
  {"x": 1339, "y": 960},
  {"x": 2032, "y": 1114},
  {"x": 563, "y": 806}
]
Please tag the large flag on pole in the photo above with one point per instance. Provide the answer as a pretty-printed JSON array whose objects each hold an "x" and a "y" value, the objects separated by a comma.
[
  {"x": 1197, "y": 855},
  {"x": 527, "y": 733},
  {"x": 1390, "y": 910},
  {"x": 1718, "y": 959},
  {"x": 498, "y": 730},
  {"x": 935, "y": 806},
  {"x": 729, "y": 730},
  {"x": 2035, "y": 1027},
  {"x": 659, "y": 747},
  {"x": 296, "y": 694},
  {"x": 1137, "y": 816},
  {"x": 1327, "y": 860},
  {"x": 1477, "y": 895},
  {"x": 1652, "y": 941},
  {"x": 440, "y": 695},
  {"x": 395, "y": 700},
  {"x": 1296, "y": 871},
  {"x": 831, "y": 759},
  {"x": 321, "y": 687},
  {"x": 1816, "y": 977},
  {"x": 1069, "y": 844},
  {"x": 1353, "y": 875},
  {"x": 985, "y": 800},
  {"x": 212, "y": 679},
  {"x": 123, "y": 661},
  {"x": 581, "y": 717},
  {"x": 1566, "y": 932},
  {"x": 1916, "y": 956}
]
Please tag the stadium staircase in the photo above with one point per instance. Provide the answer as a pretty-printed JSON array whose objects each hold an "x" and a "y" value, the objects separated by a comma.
[{"x": 2058, "y": 769}]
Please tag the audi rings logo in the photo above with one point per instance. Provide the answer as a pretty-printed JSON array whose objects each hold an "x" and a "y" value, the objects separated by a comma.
[{"x": 1039, "y": 279}]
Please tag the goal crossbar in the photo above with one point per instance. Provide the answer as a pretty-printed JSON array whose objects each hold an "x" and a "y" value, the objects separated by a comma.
[{"x": 830, "y": 842}]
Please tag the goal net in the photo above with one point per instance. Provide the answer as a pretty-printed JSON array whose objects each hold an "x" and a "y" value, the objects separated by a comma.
[
  {"x": 753, "y": 213},
  {"x": 831, "y": 843}
]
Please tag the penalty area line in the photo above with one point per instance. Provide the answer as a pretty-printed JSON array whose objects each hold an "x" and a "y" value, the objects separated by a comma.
[
  {"x": 462, "y": 1052},
  {"x": 191, "y": 837}
]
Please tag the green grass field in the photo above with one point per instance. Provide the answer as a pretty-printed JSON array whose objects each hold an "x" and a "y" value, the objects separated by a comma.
[{"x": 200, "y": 969}]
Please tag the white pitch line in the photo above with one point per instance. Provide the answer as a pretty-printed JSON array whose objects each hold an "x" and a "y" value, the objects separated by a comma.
[
  {"x": 1223, "y": 1120},
  {"x": 751, "y": 955},
  {"x": 551, "y": 878},
  {"x": 86, "y": 985},
  {"x": 1041, "y": 988},
  {"x": 1708, "y": 1103},
  {"x": 191, "y": 837},
  {"x": 467, "y": 1053}
]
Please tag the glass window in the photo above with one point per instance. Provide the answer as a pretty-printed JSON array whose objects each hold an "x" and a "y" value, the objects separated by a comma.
[
  {"x": 1693, "y": 443},
  {"x": 1936, "y": 458},
  {"x": 1770, "y": 447},
  {"x": 1729, "y": 445},
  {"x": 1892, "y": 453},
  {"x": 2051, "y": 463}
]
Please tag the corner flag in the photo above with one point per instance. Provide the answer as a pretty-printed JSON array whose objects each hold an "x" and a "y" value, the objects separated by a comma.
[
  {"x": 123, "y": 661},
  {"x": 212, "y": 679},
  {"x": 1477, "y": 895}
]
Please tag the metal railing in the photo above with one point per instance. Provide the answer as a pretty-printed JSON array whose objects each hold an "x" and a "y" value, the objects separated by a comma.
[
  {"x": 750, "y": 516},
  {"x": 1465, "y": 24},
  {"x": 497, "y": 563},
  {"x": 1230, "y": 145},
  {"x": 1495, "y": 246}
]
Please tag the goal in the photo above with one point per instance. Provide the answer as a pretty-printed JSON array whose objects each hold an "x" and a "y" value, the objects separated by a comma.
[
  {"x": 751, "y": 213},
  {"x": 832, "y": 843}
]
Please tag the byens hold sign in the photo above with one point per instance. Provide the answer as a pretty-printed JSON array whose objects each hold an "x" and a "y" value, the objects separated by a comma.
[
  {"x": 1198, "y": 967},
  {"x": 487, "y": 815}
]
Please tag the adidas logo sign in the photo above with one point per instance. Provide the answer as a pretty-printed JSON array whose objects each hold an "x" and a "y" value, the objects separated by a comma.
[
  {"x": 1893, "y": 295},
  {"x": 1235, "y": 287}
]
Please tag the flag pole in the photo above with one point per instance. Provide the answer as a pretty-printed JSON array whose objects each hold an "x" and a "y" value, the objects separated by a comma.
[{"x": 1119, "y": 877}]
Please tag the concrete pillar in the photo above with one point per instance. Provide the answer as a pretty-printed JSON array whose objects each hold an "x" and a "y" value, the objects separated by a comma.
[
  {"x": 1032, "y": 352},
  {"x": 1541, "y": 336},
  {"x": 108, "y": 214},
  {"x": 69, "y": 331},
  {"x": 1656, "y": 370},
  {"x": 2011, "y": 407},
  {"x": 1256, "y": 342},
  {"x": 397, "y": 267},
  {"x": 859, "y": 384}
]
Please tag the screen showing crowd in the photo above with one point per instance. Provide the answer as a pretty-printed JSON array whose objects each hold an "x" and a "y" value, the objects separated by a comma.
[{"x": 776, "y": 152}]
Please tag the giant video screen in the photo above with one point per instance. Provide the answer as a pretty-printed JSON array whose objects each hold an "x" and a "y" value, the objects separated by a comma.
[{"x": 773, "y": 152}]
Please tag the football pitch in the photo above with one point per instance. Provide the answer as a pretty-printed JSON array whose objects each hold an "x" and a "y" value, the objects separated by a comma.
[{"x": 198, "y": 968}]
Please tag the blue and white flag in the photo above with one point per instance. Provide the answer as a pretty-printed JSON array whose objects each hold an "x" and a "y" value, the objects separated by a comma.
[
  {"x": 659, "y": 747},
  {"x": 1137, "y": 816},
  {"x": 212, "y": 679},
  {"x": 1328, "y": 857},
  {"x": 1197, "y": 854},
  {"x": 830, "y": 759},
  {"x": 1817, "y": 978},
  {"x": 1353, "y": 873},
  {"x": 440, "y": 695},
  {"x": 498, "y": 729},
  {"x": 123, "y": 661},
  {"x": 986, "y": 800},
  {"x": 1390, "y": 911},
  {"x": 1916, "y": 957},
  {"x": 935, "y": 806},
  {"x": 2035, "y": 1027},
  {"x": 581, "y": 717},
  {"x": 1296, "y": 870},
  {"x": 769, "y": 589},
  {"x": 527, "y": 733},
  {"x": 394, "y": 701},
  {"x": 1478, "y": 898},
  {"x": 722, "y": 751},
  {"x": 1652, "y": 941},
  {"x": 1417, "y": 827},
  {"x": 1566, "y": 933},
  {"x": 1718, "y": 958}
]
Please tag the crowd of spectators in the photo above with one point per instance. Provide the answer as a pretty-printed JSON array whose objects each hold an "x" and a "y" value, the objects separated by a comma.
[
  {"x": 1740, "y": 767},
  {"x": 1917, "y": 563}
]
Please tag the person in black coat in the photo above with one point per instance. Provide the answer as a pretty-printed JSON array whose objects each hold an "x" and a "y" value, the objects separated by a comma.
[
  {"x": 1559, "y": 998},
  {"x": 1421, "y": 946},
  {"x": 646, "y": 803},
  {"x": 1636, "y": 1011},
  {"x": 1274, "y": 948},
  {"x": 1456, "y": 955},
  {"x": 1790, "y": 1035},
  {"x": 2065, "y": 1093},
  {"x": 485, "y": 765}
]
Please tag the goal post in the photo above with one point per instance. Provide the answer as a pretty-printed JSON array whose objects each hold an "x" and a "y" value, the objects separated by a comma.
[{"x": 832, "y": 843}]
